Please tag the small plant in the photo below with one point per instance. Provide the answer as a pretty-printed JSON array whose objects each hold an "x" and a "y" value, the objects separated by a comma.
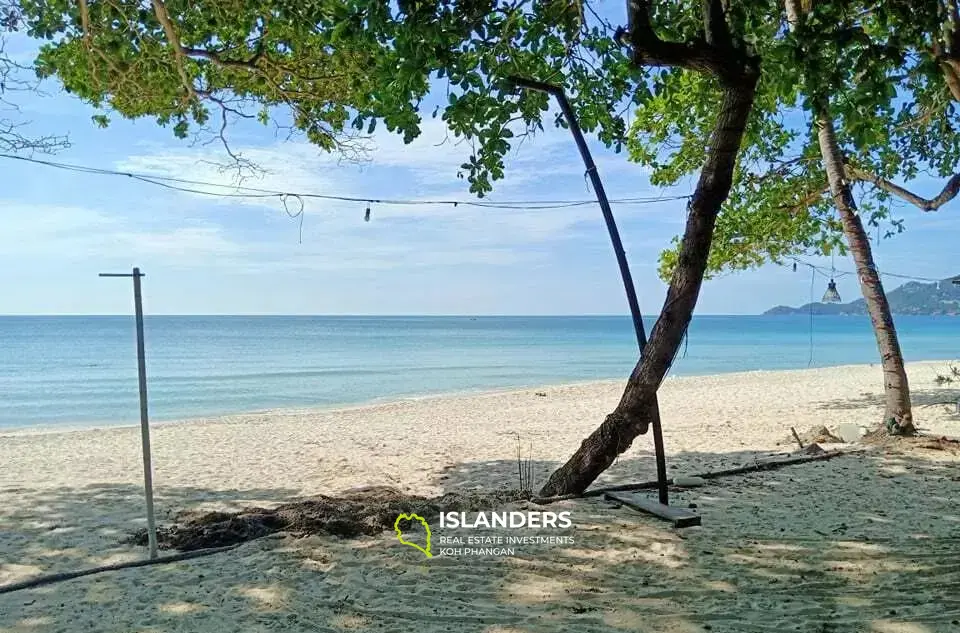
[
  {"x": 525, "y": 467},
  {"x": 952, "y": 376}
]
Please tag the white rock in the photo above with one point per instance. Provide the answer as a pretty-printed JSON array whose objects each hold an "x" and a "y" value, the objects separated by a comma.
[
  {"x": 689, "y": 482},
  {"x": 849, "y": 433}
]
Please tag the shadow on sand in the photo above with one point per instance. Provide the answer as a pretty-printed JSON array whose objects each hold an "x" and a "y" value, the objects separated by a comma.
[
  {"x": 859, "y": 543},
  {"x": 946, "y": 397}
]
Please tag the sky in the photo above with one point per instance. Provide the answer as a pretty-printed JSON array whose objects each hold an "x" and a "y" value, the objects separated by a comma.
[{"x": 214, "y": 255}]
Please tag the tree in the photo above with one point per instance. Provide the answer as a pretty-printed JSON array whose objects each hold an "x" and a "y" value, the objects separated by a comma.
[
  {"x": 14, "y": 79},
  {"x": 334, "y": 65},
  {"x": 897, "y": 413},
  {"x": 871, "y": 82}
]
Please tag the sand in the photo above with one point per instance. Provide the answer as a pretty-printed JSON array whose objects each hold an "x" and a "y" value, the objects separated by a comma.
[{"x": 858, "y": 543}]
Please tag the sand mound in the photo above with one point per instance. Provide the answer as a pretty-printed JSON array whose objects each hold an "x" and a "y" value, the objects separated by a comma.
[
  {"x": 365, "y": 512},
  {"x": 820, "y": 435}
]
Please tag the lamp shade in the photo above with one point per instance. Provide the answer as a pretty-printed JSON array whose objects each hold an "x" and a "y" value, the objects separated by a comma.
[{"x": 831, "y": 295}]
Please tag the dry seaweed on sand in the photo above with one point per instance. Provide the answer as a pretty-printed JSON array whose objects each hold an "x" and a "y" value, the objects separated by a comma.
[{"x": 365, "y": 512}]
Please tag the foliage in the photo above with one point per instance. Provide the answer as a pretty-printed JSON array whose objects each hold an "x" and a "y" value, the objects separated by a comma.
[
  {"x": 893, "y": 113},
  {"x": 15, "y": 80},
  {"x": 952, "y": 377},
  {"x": 335, "y": 68}
]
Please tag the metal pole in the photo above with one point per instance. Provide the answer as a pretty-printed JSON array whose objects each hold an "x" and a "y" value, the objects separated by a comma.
[
  {"x": 571, "y": 118},
  {"x": 144, "y": 417},
  {"x": 628, "y": 286}
]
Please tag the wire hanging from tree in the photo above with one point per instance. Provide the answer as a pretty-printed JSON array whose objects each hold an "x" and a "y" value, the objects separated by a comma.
[{"x": 185, "y": 185}]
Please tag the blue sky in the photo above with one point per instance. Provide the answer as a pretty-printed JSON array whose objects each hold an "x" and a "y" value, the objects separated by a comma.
[{"x": 205, "y": 255}]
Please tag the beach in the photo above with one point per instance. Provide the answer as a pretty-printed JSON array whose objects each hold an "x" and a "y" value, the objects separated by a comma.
[{"x": 861, "y": 542}]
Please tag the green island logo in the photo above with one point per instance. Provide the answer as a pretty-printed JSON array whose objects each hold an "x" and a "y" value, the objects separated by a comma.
[{"x": 423, "y": 522}]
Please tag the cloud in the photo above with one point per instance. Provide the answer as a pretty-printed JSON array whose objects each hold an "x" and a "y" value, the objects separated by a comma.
[
  {"x": 79, "y": 234},
  {"x": 254, "y": 234},
  {"x": 427, "y": 167},
  {"x": 28, "y": 229}
]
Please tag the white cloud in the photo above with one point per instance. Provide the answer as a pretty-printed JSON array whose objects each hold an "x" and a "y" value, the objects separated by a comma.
[
  {"x": 47, "y": 229},
  {"x": 80, "y": 234},
  {"x": 546, "y": 166},
  {"x": 429, "y": 164}
]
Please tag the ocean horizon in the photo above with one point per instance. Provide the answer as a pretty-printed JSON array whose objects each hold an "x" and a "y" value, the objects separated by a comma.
[{"x": 67, "y": 371}]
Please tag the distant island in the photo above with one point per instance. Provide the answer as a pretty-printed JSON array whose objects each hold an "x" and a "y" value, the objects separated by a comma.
[{"x": 938, "y": 298}]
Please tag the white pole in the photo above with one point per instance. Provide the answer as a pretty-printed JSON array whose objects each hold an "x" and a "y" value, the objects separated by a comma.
[{"x": 144, "y": 418}]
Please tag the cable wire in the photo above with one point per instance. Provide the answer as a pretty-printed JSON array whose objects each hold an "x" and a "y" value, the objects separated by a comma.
[
  {"x": 843, "y": 273},
  {"x": 185, "y": 185}
]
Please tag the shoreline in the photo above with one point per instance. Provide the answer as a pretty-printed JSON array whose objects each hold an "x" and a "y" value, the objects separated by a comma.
[
  {"x": 374, "y": 405},
  {"x": 846, "y": 526}
]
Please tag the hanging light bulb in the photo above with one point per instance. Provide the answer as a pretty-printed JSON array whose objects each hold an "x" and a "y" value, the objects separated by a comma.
[
  {"x": 831, "y": 295},
  {"x": 366, "y": 215}
]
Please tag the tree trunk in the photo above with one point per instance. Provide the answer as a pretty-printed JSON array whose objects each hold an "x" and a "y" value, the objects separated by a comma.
[
  {"x": 897, "y": 416},
  {"x": 638, "y": 406},
  {"x": 949, "y": 61},
  {"x": 951, "y": 74},
  {"x": 896, "y": 389}
]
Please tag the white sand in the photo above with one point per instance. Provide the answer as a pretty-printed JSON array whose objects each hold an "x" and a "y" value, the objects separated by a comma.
[{"x": 863, "y": 543}]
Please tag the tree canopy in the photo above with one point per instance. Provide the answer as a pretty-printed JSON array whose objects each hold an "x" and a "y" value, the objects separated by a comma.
[
  {"x": 888, "y": 70},
  {"x": 16, "y": 80},
  {"x": 333, "y": 69}
]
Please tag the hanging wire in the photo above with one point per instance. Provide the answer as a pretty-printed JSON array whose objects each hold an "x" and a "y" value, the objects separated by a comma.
[
  {"x": 813, "y": 281},
  {"x": 238, "y": 191},
  {"x": 835, "y": 274},
  {"x": 843, "y": 273},
  {"x": 296, "y": 214}
]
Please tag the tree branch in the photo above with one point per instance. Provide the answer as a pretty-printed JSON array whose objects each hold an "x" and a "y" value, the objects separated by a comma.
[
  {"x": 85, "y": 20},
  {"x": 715, "y": 28},
  {"x": 249, "y": 64},
  {"x": 716, "y": 57},
  {"x": 950, "y": 190},
  {"x": 164, "y": 18},
  {"x": 805, "y": 201},
  {"x": 216, "y": 58}
]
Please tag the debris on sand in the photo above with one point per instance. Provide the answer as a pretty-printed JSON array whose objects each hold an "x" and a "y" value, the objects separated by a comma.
[
  {"x": 816, "y": 435},
  {"x": 821, "y": 435},
  {"x": 812, "y": 449},
  {"x": 365, "y": 512}
]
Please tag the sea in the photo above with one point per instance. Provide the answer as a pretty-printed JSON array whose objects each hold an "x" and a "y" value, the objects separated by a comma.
[{"x": 81, "y": 371}]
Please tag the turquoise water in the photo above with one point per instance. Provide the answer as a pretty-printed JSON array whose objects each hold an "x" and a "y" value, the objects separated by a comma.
[{"x": 82, "y": 370}]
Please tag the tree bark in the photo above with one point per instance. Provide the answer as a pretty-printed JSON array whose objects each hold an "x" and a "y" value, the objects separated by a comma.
[
  {"x": 895, "y": 385},
  {"x": 951, "y": 75},
  {"x": 950, "y": 190},
  {"x": 638, "y": 405},
  {"x": 897, "y": 412},
  {"x": 948, "y": 59}
]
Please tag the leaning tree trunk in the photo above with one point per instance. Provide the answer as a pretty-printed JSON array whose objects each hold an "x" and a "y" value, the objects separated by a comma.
[
  {"x": 897, "y": 414},
  {"x": 638, "y": 405},
  {"x": 948, "y": 52}
]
